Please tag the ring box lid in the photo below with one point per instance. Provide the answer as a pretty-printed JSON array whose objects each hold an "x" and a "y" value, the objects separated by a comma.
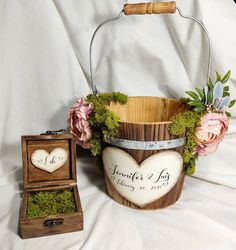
[{"x": 35, "y": 177}]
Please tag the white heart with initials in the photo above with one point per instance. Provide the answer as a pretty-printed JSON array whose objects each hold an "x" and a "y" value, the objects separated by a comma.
[
  {"x": 145, "y": 183},
  {"x": 49, "y": 162}
]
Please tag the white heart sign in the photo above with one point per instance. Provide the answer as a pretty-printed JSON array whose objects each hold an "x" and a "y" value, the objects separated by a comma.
[
  {"x": 49, "y": 162},
  {"x": 145, "y": 183}
]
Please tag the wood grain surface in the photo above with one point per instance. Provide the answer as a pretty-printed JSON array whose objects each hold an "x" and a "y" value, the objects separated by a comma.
[
  {"x": 147, "y": 119},
  {"x": 38, "y": 180},
  {"x": 35, "y": 177},
  {"x": 30, "y": 228},
  {"x": 150, "y": 8}
]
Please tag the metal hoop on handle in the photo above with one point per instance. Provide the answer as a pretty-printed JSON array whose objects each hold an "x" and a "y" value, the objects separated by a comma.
[
  {"x": 207, "y": 35},
  {"x": 147, "y": 8},
  {"x": 94, "y": 89}
]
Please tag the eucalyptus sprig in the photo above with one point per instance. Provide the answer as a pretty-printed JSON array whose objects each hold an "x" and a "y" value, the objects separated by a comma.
[
  {"x": 215, "y": 96},
  {"x": 212, "y": 102}
]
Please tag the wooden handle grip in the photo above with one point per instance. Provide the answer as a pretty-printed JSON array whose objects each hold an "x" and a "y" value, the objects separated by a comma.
[{"x": 149, "y": 8}]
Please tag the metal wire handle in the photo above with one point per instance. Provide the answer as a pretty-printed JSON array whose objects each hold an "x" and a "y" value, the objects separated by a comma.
[{"x": 94, "y": 88}]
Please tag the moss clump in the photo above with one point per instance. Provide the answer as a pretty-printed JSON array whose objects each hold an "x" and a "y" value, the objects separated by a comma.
[
  {"x": 46, "y": 203},
  {"x": 185, "y": 123},
  {"x": 103, "y": 122}
]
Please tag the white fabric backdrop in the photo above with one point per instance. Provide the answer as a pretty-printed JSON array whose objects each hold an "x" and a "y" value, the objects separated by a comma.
[{"x": 44, "y": 65}]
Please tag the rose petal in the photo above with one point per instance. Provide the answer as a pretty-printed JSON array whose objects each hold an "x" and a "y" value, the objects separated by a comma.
[
  {"x": 211, "y": 132},
  {"x": 79, "y": 122},
  {"x": 203, "y": 151}
]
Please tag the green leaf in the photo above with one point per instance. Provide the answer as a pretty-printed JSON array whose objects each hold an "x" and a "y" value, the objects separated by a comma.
[
  {"x": 201, "y": 93},
  {"x": 226, "y": 77},
  {"x": 228, "y": 114},
  {"x": 210, "y": 84},
  {"x": 191, "y": 167},
  {"x": 199, "y": 109},
  {"x": 226, "y": 94},
  {"x": 190, "y": 171},
  {"x": 192, "y": 94},
  {"x": 210, "y": 96},
  {"x": 195, "y": 156},
  {"x": 226, "y": 88},
  {"x": 232, "y": 103},
  {"x": 218, "y": 77},
  {"x": 196, "y": 103},
  {"x": 184, "y": 100}
]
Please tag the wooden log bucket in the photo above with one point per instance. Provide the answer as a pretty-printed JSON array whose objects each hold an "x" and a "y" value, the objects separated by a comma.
[{"x": 143, "y": 166}]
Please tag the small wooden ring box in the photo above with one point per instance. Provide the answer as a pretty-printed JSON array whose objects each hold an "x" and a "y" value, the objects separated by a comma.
[{"x": 57, "y": 153}]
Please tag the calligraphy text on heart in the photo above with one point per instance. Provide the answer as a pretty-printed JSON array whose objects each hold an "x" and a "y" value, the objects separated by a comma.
[
  {"x": 145, "y": 183},
  {"x": 49, "y": 162}
]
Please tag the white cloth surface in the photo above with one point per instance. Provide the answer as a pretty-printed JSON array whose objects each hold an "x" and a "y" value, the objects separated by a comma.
[{"x": 44, "y": 65}]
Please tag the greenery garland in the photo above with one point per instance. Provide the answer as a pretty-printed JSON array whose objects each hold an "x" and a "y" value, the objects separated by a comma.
[
  {"x": 214, "y": 98},
  {"x": 91, "y": 120}
]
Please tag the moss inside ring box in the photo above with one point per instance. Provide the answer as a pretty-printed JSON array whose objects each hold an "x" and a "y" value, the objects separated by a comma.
[{"x": 51, "y": 202}]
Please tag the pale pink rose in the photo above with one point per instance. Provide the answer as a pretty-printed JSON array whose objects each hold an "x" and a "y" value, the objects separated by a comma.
[
  {"x": 211, "y": 132},
  {"x": 79, "y": 122}
]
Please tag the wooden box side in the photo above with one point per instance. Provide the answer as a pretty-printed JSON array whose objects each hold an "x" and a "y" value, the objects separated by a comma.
[
  {"x": 34, "y": 177},
  {"x": 30, "y": 228}
]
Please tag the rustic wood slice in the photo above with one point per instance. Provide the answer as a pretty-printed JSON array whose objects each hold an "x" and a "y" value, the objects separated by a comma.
[{"x": 147, "y": 119}]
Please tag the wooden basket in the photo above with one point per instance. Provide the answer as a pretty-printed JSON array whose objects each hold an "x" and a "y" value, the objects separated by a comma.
[{"x": 147, "y": 119}]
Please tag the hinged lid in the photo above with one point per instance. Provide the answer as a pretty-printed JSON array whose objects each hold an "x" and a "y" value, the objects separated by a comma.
[{"x": 48, "y": 160}]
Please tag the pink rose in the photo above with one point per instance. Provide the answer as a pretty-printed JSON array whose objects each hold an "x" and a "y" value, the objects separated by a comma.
[
  {"x": 211, "y": 132},
  {"x": 79, "y": 122}
]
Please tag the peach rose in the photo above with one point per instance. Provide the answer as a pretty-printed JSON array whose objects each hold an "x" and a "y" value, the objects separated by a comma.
[
  {"x": 79, "y": 122},
  {"x": 211, "y": 132}
]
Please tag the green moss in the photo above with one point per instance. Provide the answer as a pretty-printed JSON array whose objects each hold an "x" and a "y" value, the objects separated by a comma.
[
  {"x": 185, "y": 123},
  {"x": 46, "y": 203},
  {"x": 96, "y": 145},
  {"x": 190, "y": 144},
  {"x": 107, "y": 98},
  {"x": 191, "y": 166},
  {"x": 103, "y": 121}
]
